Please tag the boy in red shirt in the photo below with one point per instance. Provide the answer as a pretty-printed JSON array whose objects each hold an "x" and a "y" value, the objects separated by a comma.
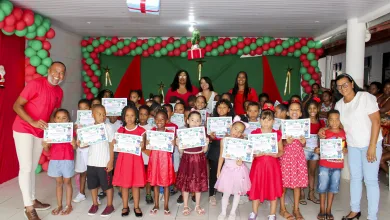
[{"x": 330, "y": 170}]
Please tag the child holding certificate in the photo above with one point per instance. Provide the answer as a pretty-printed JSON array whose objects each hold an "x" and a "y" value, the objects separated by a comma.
[
  {"x": 233, "y": 178},
  {"x": 293, "y": 165},
  {"x": 61, "y": 165},
  {"x": 160, "y": 167},
  {"x": 192, "y": 175},
  {"x": 129, "y": 170},
  {"x": 266, "y": 175},
  {"x": 330, "y": 170}
]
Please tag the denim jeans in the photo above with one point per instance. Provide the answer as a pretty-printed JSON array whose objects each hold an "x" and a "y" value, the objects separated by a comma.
[
  {"x": 361, "y": 169},
  {"x": 328, "y": 180}
]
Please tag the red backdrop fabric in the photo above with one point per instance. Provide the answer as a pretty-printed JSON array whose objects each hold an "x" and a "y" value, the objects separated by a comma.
[
  {"x": 12, "y": 58},
  {"x": 269, "y": 84}
]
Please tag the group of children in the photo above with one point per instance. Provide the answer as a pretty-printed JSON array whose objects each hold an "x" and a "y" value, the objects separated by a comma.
[{"x": 197, "y": 170}]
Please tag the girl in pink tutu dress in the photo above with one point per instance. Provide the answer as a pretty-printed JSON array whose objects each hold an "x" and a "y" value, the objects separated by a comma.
[{"x": 234, "y": 177}]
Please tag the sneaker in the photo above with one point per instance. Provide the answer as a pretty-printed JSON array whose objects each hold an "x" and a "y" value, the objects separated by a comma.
[
  {"x": 79, "y": 198},
  {"x": 252, "y": 216},
  {"x": 232, "y": 217},
  {"x": 39, "y": 206},
  {"x": 102, "y": 194},
  {"x": 107, "y": 211},
  {"x": 272, "y": 217},
  {"x": 221, "y": 217},
  {"x": 33, "y": 215},
  {"x": 149, "y": 199},
  {"x": 93, "y": 210},
  {"x": 243, "y": 199},
  {"x": 180, "y": 200}
]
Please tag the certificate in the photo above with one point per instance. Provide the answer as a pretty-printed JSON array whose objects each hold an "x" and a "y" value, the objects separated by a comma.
[
  {"x": 331, "y": 149},
  {"x": 237, "y": 149},
  {"x": 277, "y": 124},
  {"x": 92, "y": 135},
  {"x": 84, "y": 118},
  {"x": 178, "y": 119},
  {"x": 114, "y": 106},
  {"x": 191, "y": 137},
  {"x": 266, "y": 143},
  {"x": 151, "y": 122},
  {"x": 252, "y": 126},
  {"x": 296, "y": 128},
  {"x": 312, "y": 142},
  {"x": 203, "y": 116},
  {"x": 161, "y": 141},
  {"x": 128, "y": 143},
  {"x": 219, "y": 125},
  {"x": 58, "y": 133}
]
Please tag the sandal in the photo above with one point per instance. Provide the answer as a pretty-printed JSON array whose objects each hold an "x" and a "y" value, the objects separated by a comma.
[
  {"x": 199, "y": 210},
  {"x": 330, "y": 216},
  {"x": 314, "y": 200},
  {"x": 167, "y": 212},
  {"x": 298, "y": 215},
  {"x": 56, "y": 211},
  {"x": 67, "y": 210},
  {"x": 213, "y": 201},
  {"x": 186, "y": 210},
  {"x": 302, "y": 200},
  {"x": 285, "y": 214},
  {"x": 321, "y": 216},
  {"x": 138, "y": 214},
  {"x": 125, "y": 212},
  {"x": 153, "y": 211}
]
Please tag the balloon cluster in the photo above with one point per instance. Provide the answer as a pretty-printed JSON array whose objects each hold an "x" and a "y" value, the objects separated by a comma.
[
  {"x": 35, "y": 28},
  {"x": 306, "y": 49},
  {"x": 43, "y": 163}
]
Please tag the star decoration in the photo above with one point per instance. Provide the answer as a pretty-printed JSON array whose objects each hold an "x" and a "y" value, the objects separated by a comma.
[{"x": 161, "y": 85}]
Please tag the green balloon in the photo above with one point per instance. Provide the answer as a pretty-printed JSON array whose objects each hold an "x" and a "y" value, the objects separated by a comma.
[
  {"x": 209, "y": 40},
  {"x": 120, "y": 45},
  {"x": 85, "y": 38},
  {"x": 221, "y": 49},
  {"x": 36, "y": 45},
  {"x": 176, "y": 44},
  {"x": 46, "y": 23},
  {"x": 21, "y": 33},
  {"x": 183, "y": 40},
  {"x": 158, "y": 40},
  {"x": 278, "y": 49},
  {"x": 29, "y": 43},
  {"x": 38, "y": 169},
  {"x": 114, "y": 48},
  {"x": 311, "y": 44},
  {"x": 259, "y": 41},
  {"x": 240, "y": 39},
  {"x": 94, "y": 90},
  {"x": 265, "y": 53},
  {"x": 95, "y": 43},
  {"x": 202, "y": 44},
  {"x": 240, "y": 52},
  {"x": 86, "y": 55},
  {"x": 138, "y": 50},
  {"x": 271, "y": 51},
  {"x": 41, "y": 31},
  {"x": 108, "y": 51},
  {"x": 247, "y": 50},
  {"x": 305, "y": 50},
  {"x": 157, "y": 54},
  {"x": 208, "y": 54},
  {"x": 317, "y": 69},
  {"x": 7, "y": 7},
  {"x": 318, "y": 44},
  {"x": 29, "y": 52},
  {"x": 42, "y": 53},
  {"x": 90, "y": 84},
  {"x": 94, "y": 67},
  {"x": 83, "y": 73},
  {"x": 31, "y": 35},
  {"x": 134, "y": 39},
  {"x": 306, "y": 76},
  {"x": 267, "y": 40},
  {"x": 183, "y": 54},
  {"x": 290, "y": 54},
  {"x": 314, "y": 63},
  {"x": 87, "y": 79},
  {"x": 145, "y": 46},
  {"x": 285, "y": 44},
  {"x": 214, "y": 52},
  {"x": 42, "y": 69},
  {"x": 151, "y": 42},
  {"x": 127, "y": 42},
  {"x": 234, "y": 41},
  {"x": 170, "y": 47},
  {"x": 98, "y": 72},
  {"x": 297, "y": 53},
  {"x": 32, "y": 28},
  {"x": 2, "y": 15},
  {"x": 35, "y": 61},
  {"x": 311, "y": 56},
  {"x": 90, "y": 48},
  {"x": 291, "y": 41},
  {"x": 84, "y": 96},
  {"x": 83, "y": 49},
  {"x": 215, "y": 38},
  {"x": 303, "y": 70},
  {"x": 253, "y": 46},
  {"x": 133, "y": 53},
  {"x": 89, "y": 61},
  {"x": 102, "y": 40},
  {"x": 164, "y": 51},
  {"x": 227, "y": 44},
  {"x": 311, "y": 82}
]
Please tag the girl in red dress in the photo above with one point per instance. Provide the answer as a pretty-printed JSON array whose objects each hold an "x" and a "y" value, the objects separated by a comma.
[
  {"x": 160, "y": 167},
  {"x": 265, "y": 174},
  {"x": 129, "y": 172}
]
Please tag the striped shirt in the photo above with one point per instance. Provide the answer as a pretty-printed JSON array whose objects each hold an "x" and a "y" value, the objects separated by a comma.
[{"x": 99, "y": 154}]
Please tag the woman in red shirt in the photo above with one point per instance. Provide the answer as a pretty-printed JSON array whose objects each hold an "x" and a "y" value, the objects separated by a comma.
[
  {"x": 242, "y": 92},
  {"x": 181, "y": 87}
]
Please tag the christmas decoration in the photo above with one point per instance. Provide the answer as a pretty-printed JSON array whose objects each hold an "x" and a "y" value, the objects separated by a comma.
[
  {"x": 144, "y": 6},
  {"x": 200, "y": 64},
  {"x": 288, "y": 81},
  {"x": 2, "y": 74},
  {"x": 195, "y": 52},
  {"x": 161, "y": 87}
]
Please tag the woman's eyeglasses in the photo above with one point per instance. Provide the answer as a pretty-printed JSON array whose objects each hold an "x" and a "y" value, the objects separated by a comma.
[{"x": 344, "y": 86}]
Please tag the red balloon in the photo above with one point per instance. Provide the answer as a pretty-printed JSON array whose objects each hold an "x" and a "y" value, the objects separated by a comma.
[
  {"x": 1, "y": 24},
  {"x": 311, "y": 70},
  {"x": 29, "y": 70},
  {"x": 84, "y": 43},
  {"x": 90, "y": 40},
  {"x": 308, "y": 89},
  {"x": 10, "y": 20},
  {"x": 259, "y": 50},
  {"x": 171, "y": 40},
  {"x": 317, "y": 57},
  {"x": 115, "y": 40},
  {"x": 87, "y": 90},
  {"x": 20, "y": 25},
  {"x": 150, "y": 50},
  {"x": 170, "y": 53},
  {"x": 28, "y": 17},
  {"x": 157, "y": 46},
  {"x": 145, "y": 53},
  {"x": 306, "y": 63},
  {"x": 176, "y": 52},
  {"x": 208, "y": 48},
  {"x": 253, "y": 40},
  {"x": 83, "y": 61},
  {"x": 183, "y": 47},
  {"x": 9, "y": 28},
  {"x": 304, "y": 83},
  {"x": 48, "y": 53},
  {"x": 26, "y": 61},
  {"x": 297, "y": 45},
  {"x": 247, "y": 41},
  {"x": 90, "y": 96},
  {"x": 98, "y": 85},
  {"x": 40, "y": 38},
  {"x": 94, "y": 79},
  {"x": 96, "y": 50},
  {"x": 139, "y": 42},
  {"x": 86, "y": 67},
  {"x": 279, "y": 41},
  {"x": 227, "y": 52},
  {"x": 221, "y": 41},
  {"x": 214, "y": 44},
  {"x": 45, "y": 166},
  {"x": 303, "y": 41},
  {"x": 18, "y": 13},
  {"x": 312, "y": 50},
  {"x": 145, "y": 41},
  {"x": 189, "y": 44},
  {"x": 84, "y": 84},
  {"x": 303, "y": 57},
  {"x": 315, "y": 76},
  {"x": 318, "y": 82},
  {"x": 227, "y": 39},
  {"x": 252, "y": 53},
  {"x": 101, "y": 48},
  {"x": 233, "y": 50},
  {"x": 126, "y": 49},
  {"x": 310, "y": 38},
  {"x": 272, "y": 44},
  {"x": 220, "y": 54},
  {"x": 291, "y": 49},
  {"x": 164, "y": 43},
  {"x": 96, "y": 61},
  {"x": 284, "y": 53},
  {"x": 89, "y": 73},
  {"x": 93, "y": 55},
  {"x": 319, "y": 52},
  {"x": 240, "y": 45},
  {"x": 107, "y": 43},
  {"x": 265, "y": 47},
  {"x": 132, "y": 45}
]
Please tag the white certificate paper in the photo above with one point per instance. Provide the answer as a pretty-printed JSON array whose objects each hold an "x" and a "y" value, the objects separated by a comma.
[
  {"x": 312, "y": 142},
  {"x": 161, "y": 141},
  {"x": 219, "y": 125},
  {"x": 92, "y": 135},
  {"x": 277, "y": 124},
  {"x": 331, "y": 149},
  {"x": 266, "y": 143},
  {"x": 203, "y": 116},
  {"x": 84, "y": 118},
  {"x": 191, "y": 137},
  {"x": 128, "y": 143},
  {"x": 58, "y": 133},
  {"x": 151, "y": 122},
  {"x": 178, "y": 119},
  {"x": 296, "y": 128},
  {"x": 114, "y": 106},
  {"x": 235, "y": 149}
]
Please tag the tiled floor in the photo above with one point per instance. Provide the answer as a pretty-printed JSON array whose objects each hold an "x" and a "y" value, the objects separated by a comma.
[{"x": 11, "y": 205}]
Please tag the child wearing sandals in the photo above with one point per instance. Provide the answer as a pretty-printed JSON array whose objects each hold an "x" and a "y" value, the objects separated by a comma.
[
  {"x": 61, "y": 165},
  {"x": 192, "y": 175},
  {"x": 234, "y": 177}
]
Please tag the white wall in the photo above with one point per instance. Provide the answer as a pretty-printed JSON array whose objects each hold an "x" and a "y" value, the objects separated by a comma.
[{"x": 66, "y": 48}]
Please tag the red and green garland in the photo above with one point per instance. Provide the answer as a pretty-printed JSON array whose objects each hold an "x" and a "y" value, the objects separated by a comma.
[
  {"x": 306, "y": 49},
  {"x": 36, "y": 29}
]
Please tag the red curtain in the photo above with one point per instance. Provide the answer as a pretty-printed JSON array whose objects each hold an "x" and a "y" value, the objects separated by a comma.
[
  {"x": 12, "y": 58},
  {"x": 269, "y": 84}
]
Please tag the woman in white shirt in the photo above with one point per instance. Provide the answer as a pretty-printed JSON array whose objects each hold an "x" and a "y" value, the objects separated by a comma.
[
  {"x": 207, "y": 90},
  {"x": 359, "y": 115}
]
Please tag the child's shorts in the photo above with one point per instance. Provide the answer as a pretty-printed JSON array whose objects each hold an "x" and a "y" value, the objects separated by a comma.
[
  {"x": 310, "y": 155},
  {"x": 328, "y": 180},
  {"x": 98, "y": 176},
  {"x": 81, "y": 160},
  {"x": 61, "y": 168}
]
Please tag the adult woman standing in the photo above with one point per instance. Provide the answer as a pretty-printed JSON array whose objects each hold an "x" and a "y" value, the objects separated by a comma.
[
  {"x": 359, "y": 114},
  {"x": 384, "y": 109},
  {"x": 207, "y": 90},
  {"x": 242, "y": 92},
  {"x": 181, "y": 87},
  {"x": 375, "y": 89}
]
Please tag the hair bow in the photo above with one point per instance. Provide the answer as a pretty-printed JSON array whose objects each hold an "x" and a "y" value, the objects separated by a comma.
[
  {"x": 237, "y": 118},
  {"x": 285, "y": 102},
  {"x": 316, "y": 99},
  {"x": 296, "y": 101},
  {"x": 194, "y": 110},
  {"x": 268, "y": 107}
]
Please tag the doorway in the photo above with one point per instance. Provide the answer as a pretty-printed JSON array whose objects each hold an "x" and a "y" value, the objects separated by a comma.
[{"x": 386, "y": 67}]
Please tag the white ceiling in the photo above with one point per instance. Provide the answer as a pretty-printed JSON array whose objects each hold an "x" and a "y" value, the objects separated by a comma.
[{"x": 277, "y": 18}]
